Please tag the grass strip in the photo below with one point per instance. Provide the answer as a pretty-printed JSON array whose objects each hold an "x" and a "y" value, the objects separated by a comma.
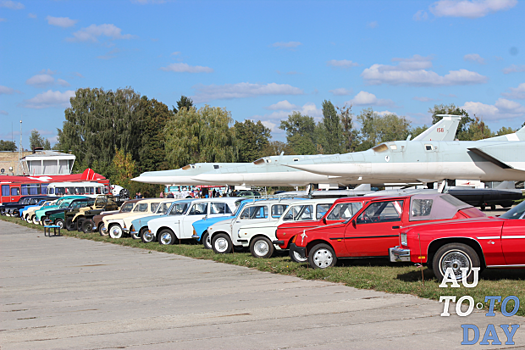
[{"x": 376, "y": 274}]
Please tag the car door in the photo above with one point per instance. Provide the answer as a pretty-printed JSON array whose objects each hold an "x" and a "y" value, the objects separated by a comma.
[
  {"x": 513, "y": 241},
  {"x": 197, "y": 212},
  {"x": 249, "y": 215},
  {"x": 375, "y": 229}
]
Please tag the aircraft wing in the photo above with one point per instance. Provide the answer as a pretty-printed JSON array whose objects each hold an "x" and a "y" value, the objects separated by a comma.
[
  {"x": 504, "y": 155},
  {"x": 444, "y": 130}
]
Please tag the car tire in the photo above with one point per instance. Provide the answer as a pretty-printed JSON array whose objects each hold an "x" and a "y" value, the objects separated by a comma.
[
  {"x": 167, "y": 237},
  {"x": 88, "y": 226},
  {"x": 80, "y": 222},
  {"x": 42, "y": 220},
  {"x": 34, "y": 220},
  {"x": 261, "y": 247},
  {"x": 102, "y": 230},
  {"x": 221, "y": 244},
  {"x": 322, "y": 256},
  {"x": 115, "y": 231},
  {"x": 134, "y": 234},
  {"x": 146, "y": 236},
  {"x": 70, "y": 225},
  {"x": 206, "y": 240},
  {"x": 296, "y": 257},
  {"x": 455, "y": 255},
  {"x": 60, "y": 223}
]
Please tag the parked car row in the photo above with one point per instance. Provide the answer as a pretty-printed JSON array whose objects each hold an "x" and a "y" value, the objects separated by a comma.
[{"x": 429, "y": 228}]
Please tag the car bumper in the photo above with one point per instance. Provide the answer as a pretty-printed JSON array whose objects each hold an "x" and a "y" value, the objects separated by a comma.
[
  {"x": 398, "y": 254},
  {"x": 198, "y": 238},
  {"x": 278, "y": 242}
]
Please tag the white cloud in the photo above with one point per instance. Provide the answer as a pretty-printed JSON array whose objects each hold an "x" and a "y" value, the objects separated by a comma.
[
  {"x": 273, "y": 120},
  {"x": 6, "y": 90},
  {"x": 364, "y": 98},
  {"x": 176, "y": 53},
  {"x": 31, "y": 15},
  {"x": 470, "y": 9},
  {"x": 186, "y": 68},
  {"x": 13, "y": 5},
  {"x": 62, "y": 82},
  {"x": 94, "y": 31},
  {"x": 206, "y": 93},
  {"x": 502, "y": 109},
  {"x": 50, "y": 99},
  {"x": 383, "y": 113},
  {"x": 40, "y": 80},
  {"x": 420, "y": 16},
  {"x": 413, "y": 71},
  {"x": 282, "y": 105},
  {"x": 514, "y": 69},
  {"x": 516, "y": 93},
  {"x": 4, "y": 113},
  {"x": 77, "y": 74},
  {"x": 474, "y": 57},
  {"x": 288, "y": 45},
  {"x": 63, "y": 22},
  {"x": 423, "y": 99},
  {"x": 372, "y": 24},
  {"x": 342, "y": 63},
  {"x": 341, "y": 92}
]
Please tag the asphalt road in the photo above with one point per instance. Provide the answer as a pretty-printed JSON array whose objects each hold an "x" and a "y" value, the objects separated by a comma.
[{"x": 66, "y": 293}]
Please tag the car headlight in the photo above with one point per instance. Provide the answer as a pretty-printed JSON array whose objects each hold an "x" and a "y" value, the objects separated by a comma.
[{"x": 403, "y": 239}]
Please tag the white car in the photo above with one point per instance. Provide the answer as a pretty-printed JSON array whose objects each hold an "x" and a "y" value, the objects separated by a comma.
[
  {"x": 173, "y": 227},
  {"x": 224, "y": 235},
  {"x": 259, "y": 236}
]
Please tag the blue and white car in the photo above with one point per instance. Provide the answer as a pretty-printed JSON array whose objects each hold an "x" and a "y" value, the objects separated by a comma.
[
  {"x": 200, "y": 228},
  {"x": 168, "y": 229}
]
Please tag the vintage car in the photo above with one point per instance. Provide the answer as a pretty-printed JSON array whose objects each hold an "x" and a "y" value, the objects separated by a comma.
[
  {"x": 12, "y": 209},
  {"x": 21, "y": 211},
  {"x": 126, "y": 207},
  {"x": 168, "y": 230},
  {"x": 485, "y": 242},
  {"x": 40, "y": 214},
  {"x": 139, "y": 226},
  {"x": 260, "y": 235},
  {"x": 29, "y": 214},
  {"x": 225, "y": 236},
  {"x": 374, "y": 229},
  {"x": 58, "y": 215},
  {"x": 82, "y": 220},
  {"x": 116, "y": 224},
  {"x": 200, "y": 228},
  {"x": 160, "y": 206},
  {"x": 341, "y": 210}
]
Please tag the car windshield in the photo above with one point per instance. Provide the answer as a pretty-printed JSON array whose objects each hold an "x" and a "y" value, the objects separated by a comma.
[
  {"x": 63, "y": 205},
  {"x": 163, "y": 208},
  {"x": 518, "y": 212},
  {"x": 126, "y": 208},
  {"x": 179, "y": 208},
  {"x": 299, "y": 212}
]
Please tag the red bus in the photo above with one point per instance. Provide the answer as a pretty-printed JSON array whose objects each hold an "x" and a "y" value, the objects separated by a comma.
[{"x": 13, "y": 187}]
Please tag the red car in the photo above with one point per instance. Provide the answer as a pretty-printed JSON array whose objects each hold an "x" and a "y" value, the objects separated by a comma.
[
  {"x": 340, "y": 211},
  {"x": 481, "y": 242},
  {"x": 375, "y": 227}
]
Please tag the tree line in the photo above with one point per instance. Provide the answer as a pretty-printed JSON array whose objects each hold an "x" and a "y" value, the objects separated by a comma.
[{"x": 121, "y": 134}]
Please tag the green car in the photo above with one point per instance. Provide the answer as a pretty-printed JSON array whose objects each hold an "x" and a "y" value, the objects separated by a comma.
[
  {"x": 40, "y": 214},
  {"x": 58, "y": 215}
]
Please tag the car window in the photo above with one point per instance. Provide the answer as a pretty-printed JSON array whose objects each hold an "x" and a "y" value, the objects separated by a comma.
[
  {"x": 179, "y": 208},
  {"x": 299, "y": 212},
  {"x": 219, "y": 208},
  {"x": 278, "y": 210},
  {"x": 322, "y": 209},
  {"x": 127, "y": 207},
  {"x": 199, "y": 209},
  {"x": 141, "y": 208},
  {"x": 163, "y": 208},
  {"x": 153, "y": 207},
  {"x": 255, "y": 212},
  {"x": 343, "y": 211},
  {"x": 518, "y": 212},
  {"x": 421, "y": 207},
  {"x": 387, "y": 211}
]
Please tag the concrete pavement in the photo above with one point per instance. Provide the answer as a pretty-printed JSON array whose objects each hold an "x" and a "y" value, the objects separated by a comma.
[{"x": 67, "y": 293}]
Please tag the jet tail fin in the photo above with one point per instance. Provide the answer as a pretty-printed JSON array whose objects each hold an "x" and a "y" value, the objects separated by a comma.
[{"x": 444, "y": 130}]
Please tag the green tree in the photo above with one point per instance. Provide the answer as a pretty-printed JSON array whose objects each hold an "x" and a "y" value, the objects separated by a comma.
[
  {"x": 332, "y": 130},
  {"x": 97, "y": 123},
  {"x": 275, "y": 148},
  {"x": 478, "y": 130},
  {"x": 196, "y": 136},
  {"x": 505, "y": 131},
  {"x": 184, "y": 102},
  {"x": 7, "y": 146},
  {"x": 35, "y": 140},
  {"x": 300, "y": 133},
  {"x": 463, "y": 127},
  {"x": 252, "y": 138},
  {"x": 155, "y": 116},
  {"x": 376, "y": 129},
  {"x": 418, "y": 130},
  {"x": 347, "y": 124}
]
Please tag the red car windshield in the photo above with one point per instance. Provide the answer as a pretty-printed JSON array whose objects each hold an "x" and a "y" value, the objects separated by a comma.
[{"x": 518, "y": 212}]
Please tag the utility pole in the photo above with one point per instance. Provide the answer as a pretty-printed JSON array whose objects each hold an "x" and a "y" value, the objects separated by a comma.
[{"x": 20, "y": 169}]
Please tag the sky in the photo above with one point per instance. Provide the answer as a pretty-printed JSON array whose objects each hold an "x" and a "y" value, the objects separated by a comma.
[{"x": 261, "y": 60}]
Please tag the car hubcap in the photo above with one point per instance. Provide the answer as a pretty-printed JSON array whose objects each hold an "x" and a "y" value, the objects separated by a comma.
[
  {"x": 116, "y": 231},
  {"x": 148, "y": 237},
  {"x": 298, "y": 257},
  {"x": 323, "y": 258},
  {"x": 261, "y": 248},
  {"x": 455, "y": 260},
  {"x": 221, "y": 244},
  {"x": 165, "y": 238},
  {"x": 61, "y": 224}
]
